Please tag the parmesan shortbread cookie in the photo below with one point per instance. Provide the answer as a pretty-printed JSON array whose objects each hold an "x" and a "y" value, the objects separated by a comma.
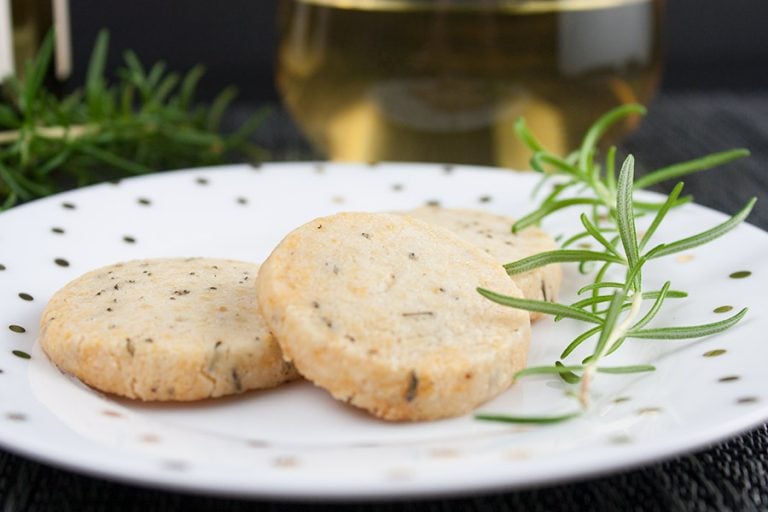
[
  {"x": 164, "y": 329},
  {"x": 493, "y": 235},
  {"x": 382, "y": 311}
]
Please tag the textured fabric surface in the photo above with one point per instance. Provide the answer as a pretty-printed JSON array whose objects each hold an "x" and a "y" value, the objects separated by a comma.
[{"x": 729, "y": 476}]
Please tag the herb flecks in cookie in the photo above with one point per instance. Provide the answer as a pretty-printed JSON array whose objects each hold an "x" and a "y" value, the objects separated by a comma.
[{"x": 208, "y": 340}]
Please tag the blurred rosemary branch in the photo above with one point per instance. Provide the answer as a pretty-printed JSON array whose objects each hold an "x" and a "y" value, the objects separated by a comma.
[{"x": 143, "y": 122}]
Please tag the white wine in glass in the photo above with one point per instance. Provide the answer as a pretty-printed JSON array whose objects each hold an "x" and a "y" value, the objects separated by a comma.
[{"x": 445, "y": 80}]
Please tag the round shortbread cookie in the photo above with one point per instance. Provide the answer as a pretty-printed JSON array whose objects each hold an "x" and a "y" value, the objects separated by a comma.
[
  {"x": 382, "y": 311},
  {"x": 493, "y": 235},
  {"x": 164, "y": 329}
]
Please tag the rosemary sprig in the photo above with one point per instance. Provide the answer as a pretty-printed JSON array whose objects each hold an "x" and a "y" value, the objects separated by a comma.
[
  {"x": 610, "y": 223},
  {"x": 145, "y": 121}
]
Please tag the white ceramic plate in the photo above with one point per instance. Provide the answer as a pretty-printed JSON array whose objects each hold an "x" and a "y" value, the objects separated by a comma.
[{"x": 296, "y": 441}]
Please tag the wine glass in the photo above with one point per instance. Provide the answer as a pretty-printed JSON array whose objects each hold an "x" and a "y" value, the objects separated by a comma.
[{"x": 446, "y": 80}]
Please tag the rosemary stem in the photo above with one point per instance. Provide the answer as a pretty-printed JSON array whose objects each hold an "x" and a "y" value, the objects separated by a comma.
[
  {"x": 603, "y": 193},
  {"x": 66, "y": 133},
  {"x": 618, "y": 332}
]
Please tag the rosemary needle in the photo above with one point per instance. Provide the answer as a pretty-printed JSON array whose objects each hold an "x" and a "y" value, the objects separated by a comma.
[{"x": 540, "y": 420}]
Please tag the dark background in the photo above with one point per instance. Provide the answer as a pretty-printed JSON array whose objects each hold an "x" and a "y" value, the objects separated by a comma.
[{"x": 709, "y": 43}]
